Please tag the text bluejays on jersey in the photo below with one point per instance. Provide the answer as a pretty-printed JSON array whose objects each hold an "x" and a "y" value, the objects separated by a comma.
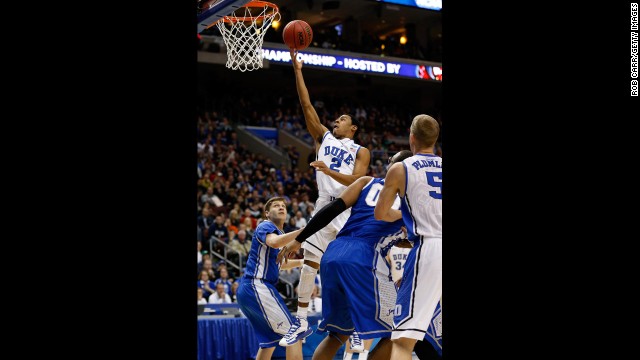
[
  {"x": 339, "y": 153},
  {"x": 426, "y": 163}
]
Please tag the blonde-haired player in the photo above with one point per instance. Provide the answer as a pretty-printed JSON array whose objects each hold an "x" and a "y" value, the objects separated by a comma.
[
  {"x": 257, "y": 295},
  {"x": 418, "y": 182}
]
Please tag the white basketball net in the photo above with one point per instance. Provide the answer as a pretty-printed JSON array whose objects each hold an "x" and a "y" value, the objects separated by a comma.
[{"x": 243, "y": 35}]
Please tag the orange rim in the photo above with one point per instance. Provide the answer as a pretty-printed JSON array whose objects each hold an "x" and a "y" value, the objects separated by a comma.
[{"x": 234, "y": 19}]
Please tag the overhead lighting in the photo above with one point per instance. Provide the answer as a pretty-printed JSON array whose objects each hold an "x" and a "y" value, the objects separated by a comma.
[
  {"x": 403, "y": 39},
  {"x": 275, "y": 24}
]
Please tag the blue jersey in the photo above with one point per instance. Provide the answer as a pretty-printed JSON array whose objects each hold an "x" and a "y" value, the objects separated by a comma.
[
  {"x": 363, "y": 225},
  {"x": 261, "y": 263},
  {"x": 358, "y": 292}
]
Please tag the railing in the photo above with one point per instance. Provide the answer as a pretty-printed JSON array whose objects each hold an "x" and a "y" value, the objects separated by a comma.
[
  {"x": 290, "y": 293},
  {"x": 290, "y": 299},
  {"x": 223, "y": 256}
]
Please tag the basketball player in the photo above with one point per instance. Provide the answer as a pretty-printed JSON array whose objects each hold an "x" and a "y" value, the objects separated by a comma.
[
  {"x": 418, "y": 181},
  {"x": 339, "y": 162},
  {"x": 358, "y": 292},
  {"x": 257, "y": 296},
  {"x": 396, "y": 257}
]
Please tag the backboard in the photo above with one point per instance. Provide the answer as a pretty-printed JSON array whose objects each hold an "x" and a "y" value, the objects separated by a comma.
[{"x": 214, "y": 10}]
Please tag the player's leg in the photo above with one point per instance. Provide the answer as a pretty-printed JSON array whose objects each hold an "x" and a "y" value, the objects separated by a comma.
[
  {"x": 382, "y": 351},
  {"x": 299, "y": 330},
  {"x": 358, "y": 346},
  {"x": 402, "y": 348},
  {"x": 294, "y": 352},
  {"x": 307, "y": 282},
  {"x": 329, "y": 346},
  {"x": 265, "y": 353},
  {"x": 314, "y": 248},
  {"x": 367, "y": 347}
]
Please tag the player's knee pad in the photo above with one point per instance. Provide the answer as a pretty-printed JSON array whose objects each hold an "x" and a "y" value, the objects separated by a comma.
[{"x": 307, "y": 281}]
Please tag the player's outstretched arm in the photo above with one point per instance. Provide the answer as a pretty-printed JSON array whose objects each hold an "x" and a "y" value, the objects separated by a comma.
[
  {"x": 315, "y": 128},
  {"x": 277, "y": 241},
  {"x": 359, "y": 170},
  {"x": 291, "y": 264},
  {"x": 393, "y": 184}
]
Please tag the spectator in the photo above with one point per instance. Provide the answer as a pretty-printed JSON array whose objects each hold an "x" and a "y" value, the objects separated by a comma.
[
  {"x": 224, "y": 280},
  {"x": 248, "y": 215},
  {"x": 241, "y": 246},
  {"x": 201, "y": 299},
  {"x": 205, "y": 284},
  {"x": 219, "y": 230},
  {"x": 300, "y": 220},
  {"x": 291, "y": 225},
  {"x": 207, "y": 266},
  {"x": 234, "y": 291},
  {"x": 220, "y": 296},
  {"x": 205, "y": 220}
]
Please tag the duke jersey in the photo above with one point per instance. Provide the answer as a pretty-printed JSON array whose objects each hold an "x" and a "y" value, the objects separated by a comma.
[
  {"x": 397, "y": 258},
  {"x": 261, "y": 262},
  {"x": 339, "y": 155},
  {"x": 422, "y": 202}
]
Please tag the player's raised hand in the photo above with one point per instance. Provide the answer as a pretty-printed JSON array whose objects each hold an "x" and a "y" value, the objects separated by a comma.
[
  {"x": 294, "y": 59},
  {"x": 320, "y": 166}
]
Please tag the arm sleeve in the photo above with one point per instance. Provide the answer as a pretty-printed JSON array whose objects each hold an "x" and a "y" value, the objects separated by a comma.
[{"x": 322, "y": 218}]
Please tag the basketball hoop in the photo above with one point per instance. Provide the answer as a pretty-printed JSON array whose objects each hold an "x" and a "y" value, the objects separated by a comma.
[{"x": 243, "y": 35}]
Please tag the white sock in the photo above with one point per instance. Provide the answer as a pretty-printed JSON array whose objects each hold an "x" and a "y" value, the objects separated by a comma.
[
  {"x": 305, "y": 287},
  {"x": 302, "y": 312},
  {"x": 363, "y": 355}
]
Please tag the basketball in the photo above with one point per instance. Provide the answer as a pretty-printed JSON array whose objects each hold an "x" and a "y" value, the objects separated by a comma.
[{"x": 297, "y": 35}]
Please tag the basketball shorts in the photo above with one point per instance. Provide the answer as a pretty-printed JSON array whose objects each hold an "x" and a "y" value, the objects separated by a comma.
[
  {"x": 357, "y": 291},
  {"x": 420, "y": 289},
  {"x": 261, "y": 303}
]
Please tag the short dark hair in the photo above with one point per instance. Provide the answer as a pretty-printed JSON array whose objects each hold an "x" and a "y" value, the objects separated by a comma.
[{"x": 356, "y": 122}]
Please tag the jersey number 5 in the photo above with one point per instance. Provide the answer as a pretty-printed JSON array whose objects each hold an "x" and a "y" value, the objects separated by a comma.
[{"x": 435, "y": 179}]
